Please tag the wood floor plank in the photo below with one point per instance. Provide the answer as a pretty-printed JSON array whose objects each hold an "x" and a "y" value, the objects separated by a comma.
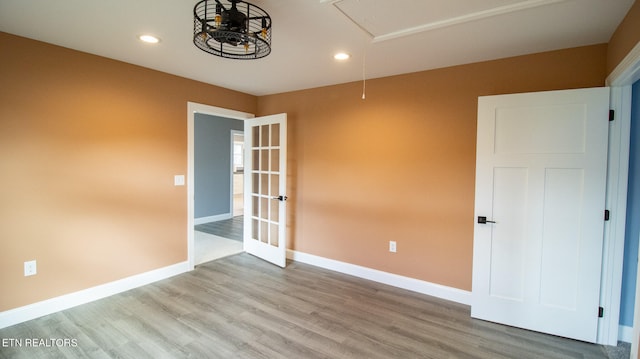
[{"x": 242, "y": 307}]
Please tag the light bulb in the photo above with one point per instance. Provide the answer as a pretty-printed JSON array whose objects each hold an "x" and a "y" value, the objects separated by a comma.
[
  {"x": 341, "y": 56},
  {"x": 149, "y": 39}
]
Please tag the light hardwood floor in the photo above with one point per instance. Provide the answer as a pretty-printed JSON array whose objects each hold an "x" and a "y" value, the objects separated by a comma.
[{"x": 242, "y": 307}]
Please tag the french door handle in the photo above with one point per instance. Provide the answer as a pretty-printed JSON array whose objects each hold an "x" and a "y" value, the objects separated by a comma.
[
  {"x": 280, "y": 198},
  {"x": 483, "y": 220}
]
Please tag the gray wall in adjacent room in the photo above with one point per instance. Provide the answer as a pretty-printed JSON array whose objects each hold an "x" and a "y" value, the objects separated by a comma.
[{"x": 212, "y": 167}]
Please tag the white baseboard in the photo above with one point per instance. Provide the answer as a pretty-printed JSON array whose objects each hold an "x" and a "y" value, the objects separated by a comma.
[
  {"x": 218, "y": 217},
  {"x": 53, "y": 305},
  {"x": 625, "y": 334},
  {"x": 412, "y": 284}
]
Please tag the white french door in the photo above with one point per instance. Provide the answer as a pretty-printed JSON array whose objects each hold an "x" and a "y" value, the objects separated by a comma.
[
  {"x": 541, "y": 166},
  {"x": 265, "y": 181}
]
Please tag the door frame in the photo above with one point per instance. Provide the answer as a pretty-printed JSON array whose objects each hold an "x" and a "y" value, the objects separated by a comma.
[
  {"x": 232, "y": 175},
  {"x": 620, "y": 81},
  {"x": 192, "y": 109}
]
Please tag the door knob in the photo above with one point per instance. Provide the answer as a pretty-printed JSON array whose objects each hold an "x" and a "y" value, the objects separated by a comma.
[
  {"x": 280, "y": 198},
  {"x": 483, "y": 220}
]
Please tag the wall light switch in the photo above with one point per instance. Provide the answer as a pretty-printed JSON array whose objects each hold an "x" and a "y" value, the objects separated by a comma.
[
  {"x": 178, "y": 180},
  {"x": 30, "y": 268}
]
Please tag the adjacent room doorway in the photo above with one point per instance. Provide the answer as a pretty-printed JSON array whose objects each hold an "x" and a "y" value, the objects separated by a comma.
[
  {"x": 194, "y": 110},
  {"x": 218, "y": 187},
  {"x": 264, "y": 194}
]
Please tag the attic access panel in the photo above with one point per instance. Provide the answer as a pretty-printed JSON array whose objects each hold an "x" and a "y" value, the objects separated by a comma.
[{"x": 384, "y": 19}]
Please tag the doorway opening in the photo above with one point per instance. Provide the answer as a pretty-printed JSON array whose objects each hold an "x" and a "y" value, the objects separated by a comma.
[
  {"x": 218, "y": 187},
  {"x": 222, "y": 235},
  {"x": 215, "y": 183},
  {"x": 237, "y": 171}
]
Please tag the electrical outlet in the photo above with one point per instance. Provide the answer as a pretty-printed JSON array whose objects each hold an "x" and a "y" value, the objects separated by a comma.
[
  {"x": 392, "y": 246},
  {"x": 30, "y": 268}
]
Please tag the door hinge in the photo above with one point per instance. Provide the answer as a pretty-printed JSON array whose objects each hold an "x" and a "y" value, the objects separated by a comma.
[
  {"x": 600, "y": 312},
  {"x": 611, "y": 115},
  {"x": 607, "y": 214}
]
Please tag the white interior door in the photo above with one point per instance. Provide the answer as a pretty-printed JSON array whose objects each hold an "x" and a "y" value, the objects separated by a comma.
[
  {"x": 541, "y": 176},
  {"x": 265, "y": 188}
]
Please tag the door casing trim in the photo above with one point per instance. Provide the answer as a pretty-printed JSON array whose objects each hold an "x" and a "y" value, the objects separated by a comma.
[{"x": 620, "y": 81}]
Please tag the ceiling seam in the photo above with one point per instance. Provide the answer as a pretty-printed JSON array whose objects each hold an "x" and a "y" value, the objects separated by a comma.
[{"x": 478, "y": 15}]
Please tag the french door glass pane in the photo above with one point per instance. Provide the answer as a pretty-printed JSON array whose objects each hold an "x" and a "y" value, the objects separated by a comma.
[
  {"x": 265, "y": 135},
  {"x": 275, "y": 134},
  {"x": 255, "y": 132},
  {"x": 275, "y": 160},
  {"x": 274, "y": 235}
]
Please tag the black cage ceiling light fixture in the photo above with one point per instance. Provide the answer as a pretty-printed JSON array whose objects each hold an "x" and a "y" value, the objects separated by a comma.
[{"x": 232, "y": 29}]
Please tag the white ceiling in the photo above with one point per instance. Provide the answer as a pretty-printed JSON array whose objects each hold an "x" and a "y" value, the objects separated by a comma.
[{"x": 388, "y": 37}]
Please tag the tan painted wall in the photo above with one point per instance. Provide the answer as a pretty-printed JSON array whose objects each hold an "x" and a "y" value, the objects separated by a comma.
[
  {"x": 626, "y": 36},
  {"x": 88, "y": 151},
  {"x": 400, "y": 165},
  {"x": 89, "y": 147}
]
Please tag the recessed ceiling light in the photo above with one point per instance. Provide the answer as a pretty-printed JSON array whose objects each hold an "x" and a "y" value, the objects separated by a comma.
[
  {"x": 341, "y": 56},
  {"x": 149, "y": 39}
]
